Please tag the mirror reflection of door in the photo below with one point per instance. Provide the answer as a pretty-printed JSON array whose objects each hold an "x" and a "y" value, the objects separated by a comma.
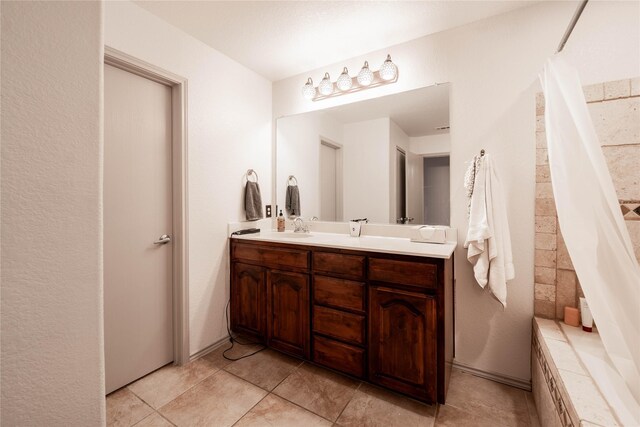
[
  {"x": 436, "y": 190},
  {"x": 330, "y": 185},
  {"x": 401, "y": 186}
]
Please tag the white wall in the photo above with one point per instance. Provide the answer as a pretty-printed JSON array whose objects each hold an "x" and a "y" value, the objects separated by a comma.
[
  {"x": 52, "y": 351},
  {"x": 415, "y": 185},
  {"x": 431, "y": 145},
  {"x": 298, "y": 154},
  {"x": 366, "y": 159},
  {"x": 229, "y": 131},
  {"x": 493, "y": 66}
]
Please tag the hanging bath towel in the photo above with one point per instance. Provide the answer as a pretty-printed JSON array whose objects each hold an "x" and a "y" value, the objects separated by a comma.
[
  {"x": 252, "y": 201},
  {"x": 488, "y": 238},
  {"x": 292, "y": 202}
]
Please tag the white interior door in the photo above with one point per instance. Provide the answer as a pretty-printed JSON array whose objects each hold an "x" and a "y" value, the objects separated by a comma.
[
  {"x": 401, "y": 186},
  {"x": 328, "y": 182},
  {"x": 138, "y": 300}
]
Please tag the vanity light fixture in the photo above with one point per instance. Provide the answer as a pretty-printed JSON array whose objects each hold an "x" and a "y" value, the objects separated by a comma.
[
  {"x": 326, "y": 85},
  {"x": 344, "y": 82},
  {"x": 309, "y": 90},
  {"x": 365, "y": 79},
  {"x": 388, "y": 71},
  {"x": 365, "y": 76}
]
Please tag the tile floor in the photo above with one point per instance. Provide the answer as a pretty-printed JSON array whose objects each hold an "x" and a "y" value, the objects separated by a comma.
[{"x": 271, "y": 389}]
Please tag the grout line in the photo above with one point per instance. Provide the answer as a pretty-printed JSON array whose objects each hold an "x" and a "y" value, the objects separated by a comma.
[
  {"x": 612, "y": 99},
  {"x": 250, "y": 409},
  {"x": 531, "y": 406},
  {"x": 144, "y": 418},
  {"x": 165, "y": 418},
  {"x": 195, "y": 384},
  {"x": 247, "y": 381},
  {"x": 259, "y": 386},
  {"x": 303, "y": 408},
  {"x": 350, "y": 399}
]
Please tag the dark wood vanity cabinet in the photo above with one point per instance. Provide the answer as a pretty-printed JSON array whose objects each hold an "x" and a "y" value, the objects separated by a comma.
[
  {"x": 250, "y": 293},
  {"x": 288, "y": 312},
  {"x": 402, "y": 349},
  {"x": 387, "y": 319}
]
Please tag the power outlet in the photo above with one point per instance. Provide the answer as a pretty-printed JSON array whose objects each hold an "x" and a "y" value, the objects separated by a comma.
[{"x": 268, "y": 211}]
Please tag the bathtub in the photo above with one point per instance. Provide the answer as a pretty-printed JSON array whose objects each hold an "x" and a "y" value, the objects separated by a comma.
[
  {"x": 590, "y": 351},
  {"x": 574, "y": 382}
]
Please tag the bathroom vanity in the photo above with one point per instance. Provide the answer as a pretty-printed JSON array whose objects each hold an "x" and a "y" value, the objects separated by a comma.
[{"x": 377, "y": 309}]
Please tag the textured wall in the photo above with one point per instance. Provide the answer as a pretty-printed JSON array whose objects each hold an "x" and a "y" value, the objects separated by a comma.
[
  {"x": 615, "y": 111},
  {"x": 52, "y": 357},
  {"x": 492, "y": 66}
]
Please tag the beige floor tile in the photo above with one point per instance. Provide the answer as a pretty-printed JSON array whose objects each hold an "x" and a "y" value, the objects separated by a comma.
[
  {"x": 318, "y": 390},
  {"x": 275, "y": 411},
  {"x": 125, "y": 408},
  {"x": 217, "y": 360},
  {"x": 533, "y": 412},
  {"x": 448, "y": 416},
  {"x": 154, "y": 420},
  {"x": 372, "y": 406},
  {"x": 266, "y": 369},
  {"x": 220, "y": 400},
  {"x": 488, "y": 399},
  {"x": 165, "y": 384}
]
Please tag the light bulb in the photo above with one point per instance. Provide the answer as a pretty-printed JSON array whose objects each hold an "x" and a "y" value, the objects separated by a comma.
[
  {"x": 325, "y": 87},
  {"x": 365, "y": 76},
  {"x": 344, "y": 81},
  {"x": 308, "y": 91},
  {"x": 388, "y": 71}
]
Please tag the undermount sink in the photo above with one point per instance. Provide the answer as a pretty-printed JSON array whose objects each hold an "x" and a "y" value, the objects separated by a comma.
[{"x": 293, "y": 234}]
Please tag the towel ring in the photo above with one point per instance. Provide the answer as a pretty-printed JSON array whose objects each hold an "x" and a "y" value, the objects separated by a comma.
[
  {"x": 292, "y": 178},
  {"x": 252, "y": 172}
]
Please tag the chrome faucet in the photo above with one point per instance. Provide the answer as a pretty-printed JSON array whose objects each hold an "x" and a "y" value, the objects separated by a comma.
[
  {"x": 404, "y": 220},
  {"x": 299, "y": 225}
]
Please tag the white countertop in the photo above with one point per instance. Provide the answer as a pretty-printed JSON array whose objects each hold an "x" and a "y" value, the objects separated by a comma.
[{"x": 392, "y": 245}]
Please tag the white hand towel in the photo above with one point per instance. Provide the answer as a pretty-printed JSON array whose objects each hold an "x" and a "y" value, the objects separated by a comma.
[{"x": 488, "y": 238}]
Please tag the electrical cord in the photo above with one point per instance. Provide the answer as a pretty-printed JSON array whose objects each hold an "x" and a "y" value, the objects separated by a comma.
[{"x": 234, "y": 340}]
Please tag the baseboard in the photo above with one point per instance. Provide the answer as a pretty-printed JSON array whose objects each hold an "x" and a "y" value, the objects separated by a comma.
[
  {"x": 209, "y": 349},
  {"x": 499, "y": 378}
]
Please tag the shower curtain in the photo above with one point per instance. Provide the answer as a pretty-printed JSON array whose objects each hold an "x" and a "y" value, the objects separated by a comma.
[{"x": 591, "y": 220}]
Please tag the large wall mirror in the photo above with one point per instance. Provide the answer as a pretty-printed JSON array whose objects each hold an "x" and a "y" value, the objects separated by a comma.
[{"x": 385, "y": 159}]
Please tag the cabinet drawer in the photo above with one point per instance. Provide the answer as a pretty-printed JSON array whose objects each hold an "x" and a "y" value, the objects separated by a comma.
[
  {"x": 338, "y": 324},
  {"x": 339, "y": 356},
  {"x": 271, "y": 256},
  {"x": 403, "y": 272},
  {"x": 339, "y": 293},
  {"x": 339, "y": 264}
]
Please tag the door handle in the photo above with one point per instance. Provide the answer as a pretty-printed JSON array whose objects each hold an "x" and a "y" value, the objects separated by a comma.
[{"x": 163, "y": 240}]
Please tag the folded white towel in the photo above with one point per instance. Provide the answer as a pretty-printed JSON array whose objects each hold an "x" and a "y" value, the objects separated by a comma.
[{"x": 488, "y": 238}]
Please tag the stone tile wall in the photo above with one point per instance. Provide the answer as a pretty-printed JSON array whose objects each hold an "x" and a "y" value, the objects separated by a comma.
[{"x": 615, "y": 110}]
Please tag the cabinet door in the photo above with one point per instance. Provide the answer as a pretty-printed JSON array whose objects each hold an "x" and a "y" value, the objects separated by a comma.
[
  {"x": 402, "y": 341},
  {"x": 248, "y": 300},
  {"x": 288, "y": 312}
]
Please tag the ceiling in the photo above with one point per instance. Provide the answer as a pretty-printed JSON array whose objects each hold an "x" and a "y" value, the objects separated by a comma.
[
  {"x": 417, "y": 112},
  {"x": 279, "y": 39}
]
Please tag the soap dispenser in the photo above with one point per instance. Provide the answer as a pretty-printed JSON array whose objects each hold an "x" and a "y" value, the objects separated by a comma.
[{"x": 280, "y": 221}]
